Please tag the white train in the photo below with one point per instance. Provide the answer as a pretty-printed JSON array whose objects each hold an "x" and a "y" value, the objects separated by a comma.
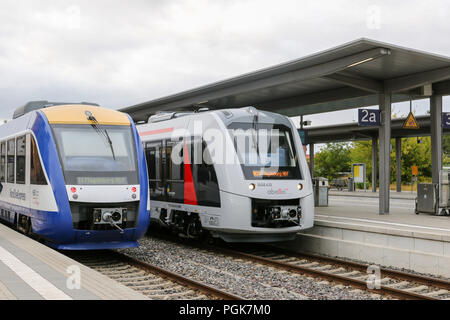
[{"x": 238, "y": 174}]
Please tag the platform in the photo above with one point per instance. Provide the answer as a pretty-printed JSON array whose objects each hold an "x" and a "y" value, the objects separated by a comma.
[
  {"x": 32, "y": 271},
  {"x": 369, "y": 194},
  {"x": 350, "y": 227}
]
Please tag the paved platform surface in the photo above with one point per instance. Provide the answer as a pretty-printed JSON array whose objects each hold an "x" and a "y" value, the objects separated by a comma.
[
  {"x": 32, "y": 271},
  {"x": 369, "y": 194},
  {"x": 364, "y": 212}
]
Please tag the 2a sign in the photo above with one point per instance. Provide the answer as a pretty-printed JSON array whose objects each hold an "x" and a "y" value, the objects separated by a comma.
[
  {"x": 369, "y": 117},
  {"x": 446, "y": 120}
]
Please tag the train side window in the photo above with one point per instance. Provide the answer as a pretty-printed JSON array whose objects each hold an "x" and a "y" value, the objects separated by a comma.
[
  {"x": 175, "y": 173},
  {"x": 175, "y": 168},
  {"x": 11, "y": 146},
  {"x": 208, "y": 193},
  {"x": 150, "y": 153},
  {"x": 2, "y": 161},
  {"x": 20, "y": 159},
  {"x": 37, "y": 175},
  {"x": 153, "y": 152}
]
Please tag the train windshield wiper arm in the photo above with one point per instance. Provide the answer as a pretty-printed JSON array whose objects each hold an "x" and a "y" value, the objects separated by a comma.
[
  {"x": 102, "y": 132},
  {"x": 110, "y": 144},
  {"x": 255, "y": 135}
]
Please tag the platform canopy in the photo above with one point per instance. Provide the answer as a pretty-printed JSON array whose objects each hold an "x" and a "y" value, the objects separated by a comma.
[
  {"x": 353, "y": 132},
  {"x": 348, "y": 76}
]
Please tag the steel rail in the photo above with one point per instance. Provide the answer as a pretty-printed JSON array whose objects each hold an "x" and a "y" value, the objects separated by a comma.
[
  {"x": 426, "y": 280},
  {"x": 386, "y": 290},
  {"x": 207, "y": 289}
]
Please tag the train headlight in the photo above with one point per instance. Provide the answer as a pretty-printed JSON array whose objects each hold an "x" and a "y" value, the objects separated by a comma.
[
  {"x": 116, "y": 216},
  {"x": 251, "y": 186},
  {"x": 293, "y": 213},
  {"x": 300, "y": 186}
]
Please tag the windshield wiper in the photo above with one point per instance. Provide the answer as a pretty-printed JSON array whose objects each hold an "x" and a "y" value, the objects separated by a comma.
[
  {"x": 101, "y": 132},
  {"x": 255, "y": 134}
]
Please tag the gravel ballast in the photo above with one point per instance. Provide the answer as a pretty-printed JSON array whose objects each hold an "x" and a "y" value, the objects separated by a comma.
[{"x": 243, "y": 278}]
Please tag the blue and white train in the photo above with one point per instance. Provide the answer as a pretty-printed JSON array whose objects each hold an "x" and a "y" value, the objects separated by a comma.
[{"x": 74, "y": 175}]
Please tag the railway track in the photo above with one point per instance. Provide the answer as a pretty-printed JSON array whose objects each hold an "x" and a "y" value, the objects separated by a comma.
[
  {"x": 152, "y": 281},
  {"x": 397, "y": 284},
  {"x": 393, "y": 283}
]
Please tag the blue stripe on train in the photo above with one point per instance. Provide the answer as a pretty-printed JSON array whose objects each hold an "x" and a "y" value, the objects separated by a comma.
[
  {"x": 83, "y": 239},
  {"x": 144, "y": 214},
  {"x": 57, "y": 227}
]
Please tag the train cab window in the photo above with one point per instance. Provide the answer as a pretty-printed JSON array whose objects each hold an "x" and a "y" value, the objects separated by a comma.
[
  {"x": 37, "y": 175},
  {"x": 20, "y": 159},
  {"x": 266, "y": 151},
  {"x": 2, "y": 161},
  {"x": 11, "y": 146}
]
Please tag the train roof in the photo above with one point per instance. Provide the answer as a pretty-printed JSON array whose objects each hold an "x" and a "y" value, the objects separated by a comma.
[
  {"x": 36, "y": 105},
  {"x": 227, "y": 115}
]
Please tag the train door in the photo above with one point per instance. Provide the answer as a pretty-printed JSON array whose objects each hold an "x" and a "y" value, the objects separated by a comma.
[
  {"x": 21, "y": 189},
  {"x": 27, "y": 173},
  {"x": 155, "y": 156},
  {"x": 174, "y": 172}
]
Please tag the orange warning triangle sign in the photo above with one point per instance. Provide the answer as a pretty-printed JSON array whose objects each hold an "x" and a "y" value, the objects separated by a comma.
[{"x": 410, "y": 122}]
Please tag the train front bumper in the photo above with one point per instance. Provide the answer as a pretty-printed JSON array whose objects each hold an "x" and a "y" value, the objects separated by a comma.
[{"x": 99, "y": 240}]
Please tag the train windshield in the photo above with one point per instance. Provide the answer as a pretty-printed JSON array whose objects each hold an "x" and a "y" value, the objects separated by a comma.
[
  {"x": 97, "y": 155},
  {"x": 265, "y": 151}
]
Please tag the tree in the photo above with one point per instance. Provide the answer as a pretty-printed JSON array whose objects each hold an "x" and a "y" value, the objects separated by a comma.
[
  {"x": 413, "y": 154},
  {"x": 446, "y": 150},
  {"x": 416, "y": 154},
  {"x": 332, "y": 159},
  {"x": 361, "y": 152}
]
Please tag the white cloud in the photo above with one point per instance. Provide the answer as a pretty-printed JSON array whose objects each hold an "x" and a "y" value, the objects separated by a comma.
[{"x": 120, "y": 53}]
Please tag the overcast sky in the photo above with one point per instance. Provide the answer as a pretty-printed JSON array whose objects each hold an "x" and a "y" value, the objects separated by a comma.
[{"x": 120, "y": 53}]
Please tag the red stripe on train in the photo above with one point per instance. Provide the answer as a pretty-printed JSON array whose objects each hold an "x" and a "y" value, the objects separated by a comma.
[
  {"x": 147, "y": 133},
  {"x": 189, "y": 189}
]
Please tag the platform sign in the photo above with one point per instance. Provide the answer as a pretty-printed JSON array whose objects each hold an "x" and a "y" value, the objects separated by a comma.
[
  {"x": 446, "y": 120},
  {"x": 415, "y": 170},
  {"x": 359, "y": 172},
  {"x": 369, "y": 117},
  {"x": 410, "y": 122},
  {"x": 303, "y": 136}
]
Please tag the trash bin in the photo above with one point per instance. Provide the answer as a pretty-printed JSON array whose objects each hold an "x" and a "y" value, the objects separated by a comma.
[
  {"x": 351, "y": 185},
  {"x": 320, "y": 192}
]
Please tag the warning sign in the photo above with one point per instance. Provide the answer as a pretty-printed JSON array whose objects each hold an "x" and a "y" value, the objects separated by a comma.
[
  {"x": 415, "y": 170},
  {"x": 410, "y": 122}
]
